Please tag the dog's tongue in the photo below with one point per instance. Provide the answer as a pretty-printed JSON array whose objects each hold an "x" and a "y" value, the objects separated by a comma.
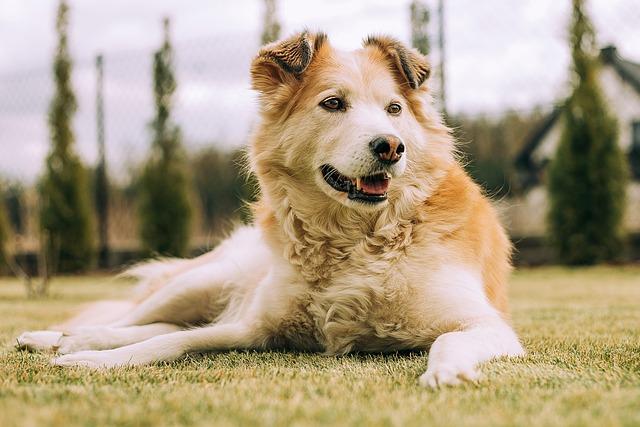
[{"x": 377, "y": 185}]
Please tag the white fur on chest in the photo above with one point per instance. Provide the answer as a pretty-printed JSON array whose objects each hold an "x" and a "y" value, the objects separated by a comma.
[{"x": 361, "y": 308}]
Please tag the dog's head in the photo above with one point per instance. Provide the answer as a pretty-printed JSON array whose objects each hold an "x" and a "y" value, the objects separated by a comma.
[{"x": 355, "y": 128}]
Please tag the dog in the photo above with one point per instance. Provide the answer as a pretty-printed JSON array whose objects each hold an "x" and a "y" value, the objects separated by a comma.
[{"x": 368, "y": 236}]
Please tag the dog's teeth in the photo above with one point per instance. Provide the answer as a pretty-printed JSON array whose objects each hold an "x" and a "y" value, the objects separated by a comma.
[
  {"x": 387, "y": 175},
  {"x": 358, "y": 183}
]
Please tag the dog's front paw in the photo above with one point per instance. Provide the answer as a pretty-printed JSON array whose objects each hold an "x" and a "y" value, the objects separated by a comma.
[
  {"x": 448, "y": 374},
  {"x": 39, "y": 341},
  {"x": 89, "y": 359},
  {"x": 84, "y": 338}
]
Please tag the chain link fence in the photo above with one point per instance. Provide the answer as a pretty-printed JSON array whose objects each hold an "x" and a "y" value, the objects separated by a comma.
[{"x": 501, "y": 57}]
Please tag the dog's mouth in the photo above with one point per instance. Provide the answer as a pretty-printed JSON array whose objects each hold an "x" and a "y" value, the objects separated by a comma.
[{"x": 370, "y": 189}]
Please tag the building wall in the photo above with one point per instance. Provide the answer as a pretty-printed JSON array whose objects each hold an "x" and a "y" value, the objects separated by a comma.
[
  {"x": 624, "y": 103},
  {"x": 525, "y": 216}
]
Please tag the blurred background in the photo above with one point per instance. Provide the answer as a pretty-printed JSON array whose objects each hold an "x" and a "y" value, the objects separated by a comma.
[{"x": 162, "y": 82}]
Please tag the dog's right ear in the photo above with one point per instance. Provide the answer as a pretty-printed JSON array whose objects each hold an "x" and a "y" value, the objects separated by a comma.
[{"x": 285, "y": 60}]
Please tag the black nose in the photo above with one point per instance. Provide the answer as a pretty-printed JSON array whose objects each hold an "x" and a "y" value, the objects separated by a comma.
[{"x": 387, "y": 148}]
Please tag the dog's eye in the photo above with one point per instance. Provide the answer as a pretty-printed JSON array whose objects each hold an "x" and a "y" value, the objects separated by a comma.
[
  {"x": 394, "y": 109},
  {"x": 333, "y": 104}
]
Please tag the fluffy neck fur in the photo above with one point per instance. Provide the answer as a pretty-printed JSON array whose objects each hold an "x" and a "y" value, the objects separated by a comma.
[{"x": 316, "y": 233}]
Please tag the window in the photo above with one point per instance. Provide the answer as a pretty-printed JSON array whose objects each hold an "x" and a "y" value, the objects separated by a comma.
[
  {"x": 634, "y": 153},
  {"x": 635, "y": 135}
]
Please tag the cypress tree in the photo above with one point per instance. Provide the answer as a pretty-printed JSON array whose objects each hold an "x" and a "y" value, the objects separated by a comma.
[
  {"x": 420, "y": 26},
  {"x": 65, "y": 207},
  {"x": 165, "y": 210},
  {"x": 271, "y": 26},
  {"x": 4, "y": 236},
  {"x": 587, "y": 178},
  {"x": 101, "y": 180}
]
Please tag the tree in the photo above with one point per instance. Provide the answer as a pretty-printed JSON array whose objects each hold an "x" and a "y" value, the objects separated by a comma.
[
  {"x": 222, "y": 186},
  {"x": 587, "y": 178},
  {"x": 101, "y": 180},
  {"x": 420, "y": 26},
  {"x": 14, "y": 202},
  {"x": 4, "y": 236},
  {"x": 165, "y": 209},
  {"x": 271, "y": 26},
  {"x": 65, "y": 207},
  {"x": 214, "y": 175},
  {"x": 489, "y": 145}
]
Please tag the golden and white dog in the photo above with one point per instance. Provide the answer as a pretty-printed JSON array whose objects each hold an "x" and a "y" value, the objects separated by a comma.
[{"x": 369, "y": 235}]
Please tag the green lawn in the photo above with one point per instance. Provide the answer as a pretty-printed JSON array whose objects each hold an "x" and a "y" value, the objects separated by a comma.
[{"x": 580, "y": 327}]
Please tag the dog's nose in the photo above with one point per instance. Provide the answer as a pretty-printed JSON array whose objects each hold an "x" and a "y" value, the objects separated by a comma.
[{"x": 387, "y": 148}]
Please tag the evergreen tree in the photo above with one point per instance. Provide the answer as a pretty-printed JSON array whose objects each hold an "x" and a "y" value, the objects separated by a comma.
[
  {"x": 14, "y": 202},
  {"x": 214, "y": 175},
  {"x": 420, "y": 26},
  {"x": 4, "y": 236},
  {"x": 271, "y": 26},
  {"x": 489, "y": 145},
  {"x": 587, "y": 178},
  {"x": 65, "y": 207},
  {"x": 222, "y": 186},
  {"x": 101, "y": 180},
  {"x": 165, "y": 209}
]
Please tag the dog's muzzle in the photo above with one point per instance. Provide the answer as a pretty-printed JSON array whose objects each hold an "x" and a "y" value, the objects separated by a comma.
[{"x": 370, "y": 188}]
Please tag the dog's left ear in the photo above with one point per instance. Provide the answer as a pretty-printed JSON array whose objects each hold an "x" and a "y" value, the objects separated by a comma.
[
  {"x": 413, "y": 67},
  {"x": 284, "y": 60}
]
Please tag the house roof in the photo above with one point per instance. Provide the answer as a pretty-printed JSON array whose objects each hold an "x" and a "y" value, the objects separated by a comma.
[
  {"x": 523, "y": 159},
  {"x": 627, "y": 70}
]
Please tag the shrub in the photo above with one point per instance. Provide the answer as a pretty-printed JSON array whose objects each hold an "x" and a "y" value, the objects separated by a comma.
[{"x": 587, "y": 178}]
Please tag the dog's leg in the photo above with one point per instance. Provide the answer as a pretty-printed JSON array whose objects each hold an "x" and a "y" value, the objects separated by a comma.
[
  {"x": 91, "y": 337},
  {"x": 199, "y": 294},
  {"x": 196, "y": 295},
  {"x": 455, "y": 356},
  {"x": 262, "y": 306},
  {"x": 168, "y": 347},
  {"x": 189, "y": 298},
  {"x": 105, "y": 338},
  {"x": 483, "y": 334},
  {"x": 38, "y": 340},
  {"x": 186, "y": 299}
]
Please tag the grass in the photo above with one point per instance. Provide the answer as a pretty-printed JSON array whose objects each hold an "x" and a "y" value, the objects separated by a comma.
[{"x": 581, "y": 328}]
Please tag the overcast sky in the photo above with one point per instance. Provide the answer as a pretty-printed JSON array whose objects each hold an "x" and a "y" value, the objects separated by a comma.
[{"x": 500, "y": 54}]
